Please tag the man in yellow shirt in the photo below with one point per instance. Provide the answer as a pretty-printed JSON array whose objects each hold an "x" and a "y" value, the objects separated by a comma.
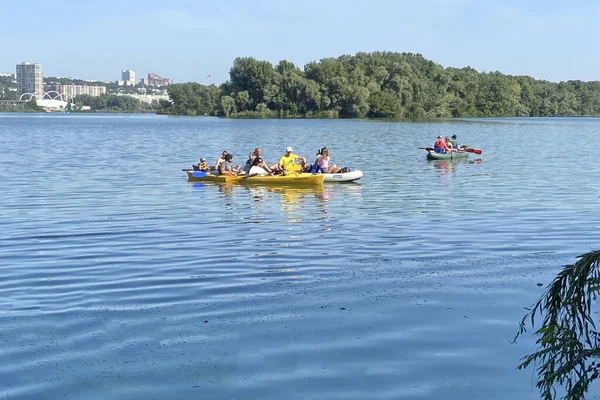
[{"x": 288, "y": 161}]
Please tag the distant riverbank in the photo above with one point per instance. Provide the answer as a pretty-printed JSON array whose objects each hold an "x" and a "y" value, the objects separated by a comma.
[{"x": 378, "y": 85}]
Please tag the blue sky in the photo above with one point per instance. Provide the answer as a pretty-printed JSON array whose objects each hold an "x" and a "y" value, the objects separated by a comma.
[{"x": 188, "y": 40}]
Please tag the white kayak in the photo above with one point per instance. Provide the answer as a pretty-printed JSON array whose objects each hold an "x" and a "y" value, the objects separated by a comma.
[{"x": 343, "y": 177}]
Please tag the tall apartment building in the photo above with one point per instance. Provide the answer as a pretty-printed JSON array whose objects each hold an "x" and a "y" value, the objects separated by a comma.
[
  {"x": 68, "y": 92},
  {"x": 30, "y": 79},
  {"x": 128, "y": 76}
]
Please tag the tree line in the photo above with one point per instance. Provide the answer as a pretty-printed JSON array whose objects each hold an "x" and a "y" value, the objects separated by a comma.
[
  {"x": 378, "y": 85},
  {"x": 8, "y": 88},
  {"x": 112, "y": 103}
]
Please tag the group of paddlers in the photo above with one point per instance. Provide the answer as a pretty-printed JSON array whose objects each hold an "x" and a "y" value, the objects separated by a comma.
[
  {"x": 447, "y": 145},
  {"x": 256, "y": 165}
]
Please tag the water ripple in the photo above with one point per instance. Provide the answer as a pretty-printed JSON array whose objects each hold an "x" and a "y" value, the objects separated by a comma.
[{"x": 120, "y": 280}]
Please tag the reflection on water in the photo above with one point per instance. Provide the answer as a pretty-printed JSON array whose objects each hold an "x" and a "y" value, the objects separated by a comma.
[
  {"x": 294, "y": 204},
  {"x": 293, "y": 198},
  {"x": 447, "y": 167}
]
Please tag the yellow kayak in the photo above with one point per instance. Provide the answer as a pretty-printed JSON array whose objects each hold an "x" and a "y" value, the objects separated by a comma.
[{"x": 291, "y": 179}]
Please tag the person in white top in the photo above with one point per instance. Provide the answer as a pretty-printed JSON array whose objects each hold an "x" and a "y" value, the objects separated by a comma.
[
  {"x": 256, "y": 168},
  {"x": 322, "y": 161}
]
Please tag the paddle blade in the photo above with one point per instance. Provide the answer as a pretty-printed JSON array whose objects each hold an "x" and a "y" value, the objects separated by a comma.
[{"x": 476, "y": 151}]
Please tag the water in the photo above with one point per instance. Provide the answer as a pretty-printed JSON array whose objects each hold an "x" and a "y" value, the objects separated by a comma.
[{"x": 120, "y": 280}]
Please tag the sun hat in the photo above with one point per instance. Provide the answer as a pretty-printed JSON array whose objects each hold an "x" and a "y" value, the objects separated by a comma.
[{"x": 289, "y": 148}]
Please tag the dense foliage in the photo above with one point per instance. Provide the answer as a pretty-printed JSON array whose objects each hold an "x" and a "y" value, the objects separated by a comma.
[
  {"x": 568, "y": 341},
  {"x": 379, "y": 84},
  {"x": 112, "y": 103},
  {"x": 7, "y": 88},
  {"x": 72, "y": 81}
]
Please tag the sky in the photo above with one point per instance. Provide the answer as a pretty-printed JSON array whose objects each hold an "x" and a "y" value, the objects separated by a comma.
[{"x": 187, "y": 40}]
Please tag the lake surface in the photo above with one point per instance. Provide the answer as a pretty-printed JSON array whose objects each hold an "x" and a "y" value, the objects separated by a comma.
[{"x": 121, "y": 280}]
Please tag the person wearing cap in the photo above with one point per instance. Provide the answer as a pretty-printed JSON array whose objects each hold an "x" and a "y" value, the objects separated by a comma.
[
  {"x": 440, "y": 145},
  {"x": 203, "y": 165},
  {"x": 454, "y": 142},
  {"x": 287, "y": 162},
  {"x": 225, "y": 167}
]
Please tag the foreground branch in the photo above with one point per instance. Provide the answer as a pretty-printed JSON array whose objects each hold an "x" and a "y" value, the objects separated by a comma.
[{"x": 567, "y": 339}]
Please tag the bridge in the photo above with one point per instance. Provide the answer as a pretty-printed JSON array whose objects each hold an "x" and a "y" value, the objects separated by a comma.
[{"x": 50, "y": 100}]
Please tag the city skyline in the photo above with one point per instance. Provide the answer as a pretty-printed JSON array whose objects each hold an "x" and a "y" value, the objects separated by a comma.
[
  {"x": 151, "y": 78},
  {"x": 189, "y": 41}
]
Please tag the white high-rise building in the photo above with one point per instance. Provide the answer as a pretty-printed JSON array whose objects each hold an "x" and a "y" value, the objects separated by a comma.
[
  {"x": 30, "y": 79},
  {"x": 68, "y": 92},
  {"x": 128, "y": 76}
]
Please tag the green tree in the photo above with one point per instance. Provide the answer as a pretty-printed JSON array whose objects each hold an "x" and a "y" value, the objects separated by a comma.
[
  {"x": 568, "y": 342},
  {"x": 31, "y": 105},
  {"x": 262, "y": 110},
  {"x": 384, "y": 105},
  {"x": 346, "y": 86},
  {"x": 242, "y": 100},
  {"x": 111, "y": 103},
  {"x": 228, "y": 105}
]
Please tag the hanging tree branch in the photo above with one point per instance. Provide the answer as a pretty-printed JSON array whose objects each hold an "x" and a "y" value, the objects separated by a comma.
[{"x": 567, "y": 339}]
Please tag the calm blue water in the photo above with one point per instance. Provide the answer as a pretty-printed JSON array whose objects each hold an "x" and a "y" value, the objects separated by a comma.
[{"x": 120, "y": 280}]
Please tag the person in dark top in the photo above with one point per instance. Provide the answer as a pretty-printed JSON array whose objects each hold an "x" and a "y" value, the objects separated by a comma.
[{"x": 225, "y": 167}]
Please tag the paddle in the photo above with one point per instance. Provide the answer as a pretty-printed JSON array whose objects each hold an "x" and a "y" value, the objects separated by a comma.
[
  {"x": 195, "y": 174},
  {"x": 468, "y": 150}
]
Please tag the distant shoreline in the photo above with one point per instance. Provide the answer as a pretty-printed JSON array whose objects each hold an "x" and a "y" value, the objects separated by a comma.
[{"x": 377, "y": 85}]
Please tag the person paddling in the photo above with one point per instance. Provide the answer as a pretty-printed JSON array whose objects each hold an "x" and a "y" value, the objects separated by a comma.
[
  {"x": 440, "y": 145},
  {"x": 456, "y": 146},
  {"x": 448, "y": 145},
  {"x": 225, "y": 167},
  {"x": 257, "y": 168},
  {"x": 287, "y": 162}
]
